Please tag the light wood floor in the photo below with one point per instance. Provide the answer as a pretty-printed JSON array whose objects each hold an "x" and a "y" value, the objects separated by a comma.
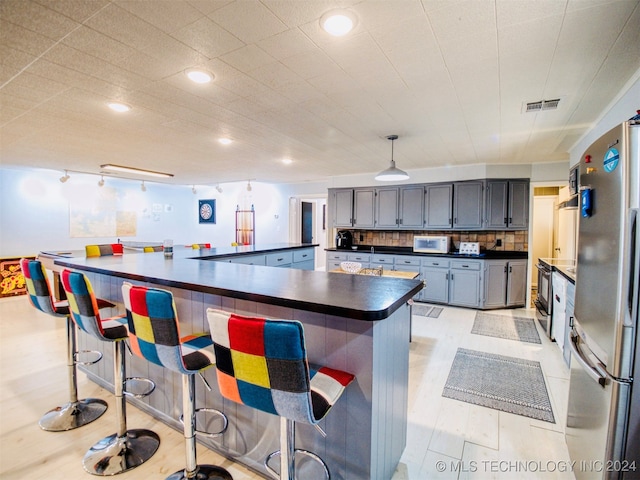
[{"x": 473, "y": 442}]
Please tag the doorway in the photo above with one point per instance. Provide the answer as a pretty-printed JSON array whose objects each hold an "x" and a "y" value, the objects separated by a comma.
[
  {"x": 307, "y": 224},
  {"x": 306, "y": 232}
]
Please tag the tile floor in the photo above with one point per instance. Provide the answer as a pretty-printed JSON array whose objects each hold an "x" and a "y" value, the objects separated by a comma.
[{"x": 472, "y": 442}]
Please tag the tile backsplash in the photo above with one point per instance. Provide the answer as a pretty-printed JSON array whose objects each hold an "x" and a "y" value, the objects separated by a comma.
[{"x": 511, "y": 240}]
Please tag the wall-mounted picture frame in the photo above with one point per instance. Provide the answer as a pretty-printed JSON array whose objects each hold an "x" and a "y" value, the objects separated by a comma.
[{"x": 207, "y": 211}]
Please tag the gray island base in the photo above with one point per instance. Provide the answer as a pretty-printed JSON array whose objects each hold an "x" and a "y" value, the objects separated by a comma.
[{"x": 354, "y": 323}]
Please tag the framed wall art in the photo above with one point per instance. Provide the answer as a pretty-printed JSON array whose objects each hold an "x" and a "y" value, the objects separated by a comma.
[{"x": 207, "y": 211}]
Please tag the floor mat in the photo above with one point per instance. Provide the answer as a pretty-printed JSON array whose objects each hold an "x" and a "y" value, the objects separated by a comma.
[
  {"x": 426, "y": 310},
  {"x": 503, "y": 383},
  {"x": 503, "y": 326}
]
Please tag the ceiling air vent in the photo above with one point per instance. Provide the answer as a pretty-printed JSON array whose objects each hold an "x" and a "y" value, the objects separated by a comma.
[{"x": 543, "y": 105}]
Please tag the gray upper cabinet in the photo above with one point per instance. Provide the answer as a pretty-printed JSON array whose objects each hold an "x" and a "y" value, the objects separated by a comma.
[
  {"x": 342, "y": 210},
  {"x": 412, "y": 207},
  {"x": 437, "y": 206},
  {"x": 507, "y": 204},
  {"x": 387, "y": 207},
  {"x": 468, "y": 204},
  {"x": 364, "y": 208}
]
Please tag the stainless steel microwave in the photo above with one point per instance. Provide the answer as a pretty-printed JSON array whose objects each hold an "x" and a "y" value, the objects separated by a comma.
[{"x": 430, "y": 244}]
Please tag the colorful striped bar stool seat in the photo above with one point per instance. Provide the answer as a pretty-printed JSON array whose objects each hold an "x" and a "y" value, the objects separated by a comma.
[
  {"x": 155, "y": 335},
  {"x": 125, "y": 449},
  {"x": 75, "y": 413},
  {"x": 262, "y": 363},
  {"x": 104, "y": 249}
]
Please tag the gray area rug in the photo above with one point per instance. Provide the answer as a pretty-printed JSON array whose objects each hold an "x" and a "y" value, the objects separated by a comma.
[
  {"x": 503, "y": 383},
  {"x": 502, "y": 326},
  {"x": 426, "y": 310}
]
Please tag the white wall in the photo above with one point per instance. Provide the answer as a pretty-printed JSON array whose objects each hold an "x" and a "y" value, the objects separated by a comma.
[{"x": 34, "y": 211}]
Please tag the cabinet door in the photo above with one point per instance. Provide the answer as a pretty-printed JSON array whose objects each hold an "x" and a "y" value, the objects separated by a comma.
[
  {"x": 468, "y": 204},
  {"x": 495, "y": 284},
  {"x": 387, "y": 207},
  {"x": 496, "y": 198},
  {"x": 518, "y": 204},
  {"x": 437, "y": 206},
  {"x": 363, "y": 207},
  {"x": 517, "y": 283},
  {"x": 412, "y": 207},
  {"x": 342, "y": 207},
  {"x": 436, "y": 285},
  {"x": 464, "y": 288}
]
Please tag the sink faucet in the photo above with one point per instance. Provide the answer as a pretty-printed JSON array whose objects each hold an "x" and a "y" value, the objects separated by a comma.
[{"x": 372, "y": 249}]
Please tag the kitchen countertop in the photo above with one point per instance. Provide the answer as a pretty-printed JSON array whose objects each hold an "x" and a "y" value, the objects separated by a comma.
[
  {"x": 382, "y": 250},
  {"x": 564, "y": 266},
  {"x": 359, "y": 297}
]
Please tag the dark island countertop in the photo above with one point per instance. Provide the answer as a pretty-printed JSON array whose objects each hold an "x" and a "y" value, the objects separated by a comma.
[
  {"x": 351, "y": 296},
  {"x": 388, "y": 250}
]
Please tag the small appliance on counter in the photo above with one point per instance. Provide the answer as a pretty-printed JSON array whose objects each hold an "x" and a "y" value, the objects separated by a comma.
[
  {"x": 430, "y": 244},
  {"x": 344, "y": 239},
  {"x": 469, "y": 248}
]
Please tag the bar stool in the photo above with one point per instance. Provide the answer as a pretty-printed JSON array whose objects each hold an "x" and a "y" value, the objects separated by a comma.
[
  {"x": 155, "y": 335},
  {"x": 125, "y": 449},
  {"x": 104, "y": 249},
  {"x": 75, "y": 413},
  {"x": 262, "y": 363}
]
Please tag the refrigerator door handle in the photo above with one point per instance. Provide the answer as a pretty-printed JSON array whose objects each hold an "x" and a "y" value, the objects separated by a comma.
[
  {"x": 634, "y": 271},
  {"x": 596, "y": 372}
]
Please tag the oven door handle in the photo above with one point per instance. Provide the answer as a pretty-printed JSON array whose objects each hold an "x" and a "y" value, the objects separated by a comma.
[
  {"x": 542, "y": 268},
  {"x": 595, "y": 371}
]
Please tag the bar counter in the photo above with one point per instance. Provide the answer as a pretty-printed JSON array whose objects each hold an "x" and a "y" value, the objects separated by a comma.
[{"x": 355, "y": 323}]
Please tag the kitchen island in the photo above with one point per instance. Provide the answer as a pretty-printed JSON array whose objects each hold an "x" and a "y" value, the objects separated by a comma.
[{"x": 356, "y": 323}]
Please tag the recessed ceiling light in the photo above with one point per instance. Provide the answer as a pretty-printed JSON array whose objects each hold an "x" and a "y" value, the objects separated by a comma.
[
  {"x": 199, "y": 76},
  {"x": 225, "y": 141},
  {"x": 337, "y": 22},
  {"x": 287, "y": 161},
  {"x": 119, "y": 107}
]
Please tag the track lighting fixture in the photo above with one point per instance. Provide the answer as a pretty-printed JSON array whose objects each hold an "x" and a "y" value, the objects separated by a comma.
[
  {"x": 101, "y": 181},
  {"x": 219, "y": 188},
  {"x": 65, "y": 177},
  {"x": 249, "y": 186},
  {"x": 392, "y": 173},
  {"x": 143, "y": 187}
]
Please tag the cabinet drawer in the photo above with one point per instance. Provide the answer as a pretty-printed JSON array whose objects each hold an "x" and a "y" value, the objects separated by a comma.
[
  {"x": 248, "y": 260},
  {"x": 435, "y": 263},
  {"x": 303, "y": 255},
  {"x": 462, "y": 265},
  {"x": 402, "y": 261},
  {"x": 359, "y": 257},
  {"x": 338, "y": 256},
  {"x": 280, "y": 258},
  {"x": 382, "y": 259}
]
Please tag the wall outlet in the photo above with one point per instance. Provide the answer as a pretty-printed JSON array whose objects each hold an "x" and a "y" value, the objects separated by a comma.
[{"x": 498, "y": 242}]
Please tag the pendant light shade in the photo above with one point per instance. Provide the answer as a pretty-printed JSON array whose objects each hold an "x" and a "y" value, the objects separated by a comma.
[{"x": 392, "y": 173}]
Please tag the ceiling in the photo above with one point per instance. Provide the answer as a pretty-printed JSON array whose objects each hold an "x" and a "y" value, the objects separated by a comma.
[{"x": 451, "y": 78}]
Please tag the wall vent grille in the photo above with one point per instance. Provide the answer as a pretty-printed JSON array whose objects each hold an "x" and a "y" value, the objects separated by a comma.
[{"x": 543, "y": 105}]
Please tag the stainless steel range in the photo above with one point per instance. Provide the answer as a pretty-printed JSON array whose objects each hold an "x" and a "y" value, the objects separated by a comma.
[{"x": 544, "y": 299}]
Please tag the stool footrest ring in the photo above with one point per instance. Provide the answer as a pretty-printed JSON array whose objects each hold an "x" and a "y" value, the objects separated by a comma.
[
  {"x": 76, "y": 356},
  {"x": 225, "y": 422},
  {"x": 297, "y": 450},
  {"x": 151, "y": 386}
]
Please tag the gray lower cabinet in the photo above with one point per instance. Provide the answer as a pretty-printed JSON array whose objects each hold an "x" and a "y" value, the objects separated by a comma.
[
  {"x": 303, "y": 259},
  {"x": 465, "y": 287},
  {"x": 505, "y": 283},
  {"x": 435, "y": 274},
  {"x": 334, "y": 259}
]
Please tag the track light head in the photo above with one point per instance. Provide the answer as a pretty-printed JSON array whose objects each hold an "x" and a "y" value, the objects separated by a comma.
[
  {"x": 193, "y": 190},
  {"x": 65, "y": 177},
  {"x": 249, "y": 186},
  {"x": 143, "y": 187},
  {"x": 219, "y": 188},
  {"x": 101, "y": 181}
]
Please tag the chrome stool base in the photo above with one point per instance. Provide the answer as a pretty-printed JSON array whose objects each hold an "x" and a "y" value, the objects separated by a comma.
[
  {"x": 73, "y": 415},
  {"x": 311, "y": 455},
  {"x": 203, "y": 472},
  {"x": 114, "y": 454}
]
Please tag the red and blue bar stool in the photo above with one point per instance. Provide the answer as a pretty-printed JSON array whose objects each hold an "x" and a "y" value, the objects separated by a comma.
[
  {"x": 154, "y": 334},
  {"x": 75, "y": 413},
  {"x": 125, "y": 449},
  {"x": 262, "y": 363}
]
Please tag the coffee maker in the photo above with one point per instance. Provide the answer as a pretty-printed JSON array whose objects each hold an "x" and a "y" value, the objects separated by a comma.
[{"x": 344, "y": 239}]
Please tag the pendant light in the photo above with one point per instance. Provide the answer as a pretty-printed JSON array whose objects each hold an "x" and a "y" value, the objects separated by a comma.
[{"x": 392, "y": 173}]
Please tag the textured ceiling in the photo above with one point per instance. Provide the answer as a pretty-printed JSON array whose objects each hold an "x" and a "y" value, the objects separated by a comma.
[{"x": 449, "y": 77}]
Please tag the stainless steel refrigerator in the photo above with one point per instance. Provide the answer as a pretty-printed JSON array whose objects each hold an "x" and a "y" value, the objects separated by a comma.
[{"x": 603, "y": 415}]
